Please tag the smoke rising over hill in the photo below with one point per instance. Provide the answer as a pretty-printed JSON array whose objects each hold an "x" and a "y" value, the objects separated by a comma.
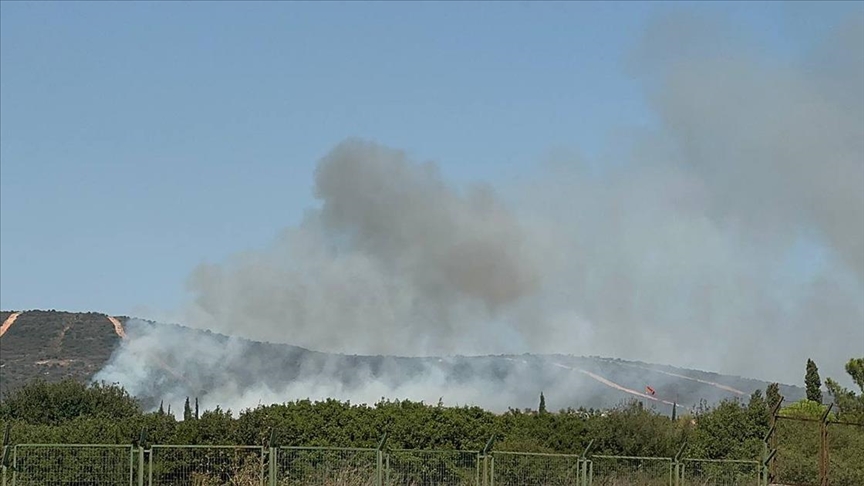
[
  {"x": 731, "y": 238},
  {"x": 394, "y": 261}
]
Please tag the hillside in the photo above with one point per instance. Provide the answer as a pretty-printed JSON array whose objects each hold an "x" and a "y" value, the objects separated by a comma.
[
  {"x": 168, "y": 362},
  {"x": 54, "y": 345}
]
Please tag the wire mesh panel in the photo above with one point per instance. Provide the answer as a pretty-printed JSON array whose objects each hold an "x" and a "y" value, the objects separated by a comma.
[
  {"x": 798, "y": 444},
  {"x": 845, "y": 454},
  {"x": 79, "y": 465},
  {"x": 206, "y": 466},
  {"x": 432, "y": 468},
  {"x": 631, "y": 471},
  {"x": 708, "y": 472},
  {"x": 534, "y": 469},
  {"x": 326, "y": 467}
]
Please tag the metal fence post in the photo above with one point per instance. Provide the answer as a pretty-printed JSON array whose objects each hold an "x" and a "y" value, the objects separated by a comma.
[
  {"x": 273, "y": 466},
  {"x": 772, "y": 436},
  {"x": 488, "y": 466},
  {"x": 150, "y": 467},
  {"x": 379, "y": 456},
  {"x": 272, "y": 460},
  {"x": 4, "y": 460},
  {"x": 823, "y": 447},
  {"x": 142, "y": 437},
  {"x": 677, "y": 468},
  {"x": 140, "y": 465},
  {"x": 765, "y": 470},
  {"x": 583, "y": 458},
  {"x": 14, "y": 464},
  {"x": 387, "y": 469}
]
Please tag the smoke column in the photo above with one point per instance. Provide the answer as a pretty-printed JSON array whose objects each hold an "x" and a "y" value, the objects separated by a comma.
[{"x": 730, "y": 238}]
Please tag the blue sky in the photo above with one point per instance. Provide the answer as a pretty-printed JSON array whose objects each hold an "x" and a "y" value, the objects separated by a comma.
[{"x": 138, "y": 140}]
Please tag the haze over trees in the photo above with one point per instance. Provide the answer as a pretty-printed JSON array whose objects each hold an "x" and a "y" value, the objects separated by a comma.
[{"x": 69, "y": 411}]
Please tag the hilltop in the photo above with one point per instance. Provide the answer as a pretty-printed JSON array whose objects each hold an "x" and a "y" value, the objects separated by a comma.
[{"x": 165, "y": 361}]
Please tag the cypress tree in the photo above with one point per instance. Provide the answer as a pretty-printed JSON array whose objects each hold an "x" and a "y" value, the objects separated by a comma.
[
  {"x": 542, "y": 409},
  {"x": 187, "y": 410},
  {"x": 812, "y": 382}
]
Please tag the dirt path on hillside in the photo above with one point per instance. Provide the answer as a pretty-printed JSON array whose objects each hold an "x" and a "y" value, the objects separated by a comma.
[
  {"x": 606, "y": 382},
  {"x": 8, "y": 322},
  {"x": 118, "y": 327},
  {"x": 676, "y": 375},
  {"x": 614, "y": 385}
]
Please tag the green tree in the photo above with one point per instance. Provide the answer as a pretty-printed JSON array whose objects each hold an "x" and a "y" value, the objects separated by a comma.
[
  {"x": 855, "y": 368},
  {"x": 187, "y": 410},
  {"x": 812, "y": 382},
  {"x": 849, "y": 405},
  {"x": 542, "y": 408},
  {"x": 46, "y": 403},
  {"x": 757, "y": 411},
  {"x": 730, "y": 430},
  {"x": 772, "y": 395}
]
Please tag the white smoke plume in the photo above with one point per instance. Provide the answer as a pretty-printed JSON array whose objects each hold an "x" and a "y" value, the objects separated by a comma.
[{"x": 732, "y": 239}]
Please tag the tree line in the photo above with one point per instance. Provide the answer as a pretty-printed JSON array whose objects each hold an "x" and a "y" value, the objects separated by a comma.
[{"x": 71, "y": 412}]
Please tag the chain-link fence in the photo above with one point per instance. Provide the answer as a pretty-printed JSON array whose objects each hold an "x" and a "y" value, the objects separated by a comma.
[
  {"x": 798, "y": 451},
  {"x": 533, "y": 469},
  {"x": 178, "y": 465},
  {"x": 296, "y": 466},
  {"x": 808, "y": 452},
  {"x": 630, "y": 471},
  {"x": 719, "y": 472},
  {"x": 431, "y": 468},
  {"x": 845, "y": 451},
  {"x": 84, "y": 465},
  {"x": 54, "y": 464}
]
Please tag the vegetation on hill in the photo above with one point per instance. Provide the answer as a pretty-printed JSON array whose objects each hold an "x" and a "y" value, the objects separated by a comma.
[
  {"x": 53, "y": 346},
  {"x": 63, "y": 351}
]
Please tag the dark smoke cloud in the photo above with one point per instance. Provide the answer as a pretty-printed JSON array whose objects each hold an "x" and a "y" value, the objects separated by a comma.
[
  {"x": 449, "y": 246},
  {"x": 394, "y": 261}
]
